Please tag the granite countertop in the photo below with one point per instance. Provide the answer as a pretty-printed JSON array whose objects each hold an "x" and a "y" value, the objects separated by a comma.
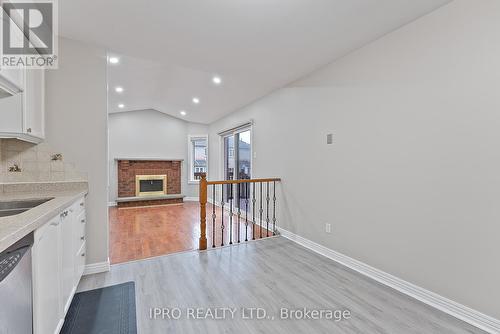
[{"x": 14, "y": 228}]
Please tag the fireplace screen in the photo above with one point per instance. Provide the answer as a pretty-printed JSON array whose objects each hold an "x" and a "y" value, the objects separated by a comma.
[{"x": 147, "y": 185}]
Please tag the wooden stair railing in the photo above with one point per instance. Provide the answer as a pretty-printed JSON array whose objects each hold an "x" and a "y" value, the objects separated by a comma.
[{"x": 243, "y": 189}]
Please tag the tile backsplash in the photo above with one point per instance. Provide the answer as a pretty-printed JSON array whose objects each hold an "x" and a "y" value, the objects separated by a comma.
[{"x": 35, "y": 163}]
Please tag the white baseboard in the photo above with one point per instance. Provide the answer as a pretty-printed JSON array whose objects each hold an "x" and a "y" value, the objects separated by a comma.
[
  {"x": 111, "y": 204},
  {"x": 191, "y": 199},
  {"x": 441, "y": 303},
  {"x": 95, "y": 268}
]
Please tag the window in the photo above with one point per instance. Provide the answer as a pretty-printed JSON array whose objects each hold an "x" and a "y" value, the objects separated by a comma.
[{"x": 198, "y": 157}]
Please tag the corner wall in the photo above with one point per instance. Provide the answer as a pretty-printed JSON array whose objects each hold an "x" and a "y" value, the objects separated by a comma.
[
  {"x": 411, "y": 185},
  {"x": 76, "y": 126}
]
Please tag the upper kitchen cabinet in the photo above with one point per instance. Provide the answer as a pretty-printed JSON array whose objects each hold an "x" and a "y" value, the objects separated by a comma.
[
  {"x": 11, "y": 80},
  {"x": 22, "y": 101},
  {"x": 22, "y": 114},
  {"x": 34, "y": 103}
]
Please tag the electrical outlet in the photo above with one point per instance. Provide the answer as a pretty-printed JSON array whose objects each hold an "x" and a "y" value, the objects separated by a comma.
[
  {"x": 328, "y": 228},
  {"x": 329, "y": 139}
]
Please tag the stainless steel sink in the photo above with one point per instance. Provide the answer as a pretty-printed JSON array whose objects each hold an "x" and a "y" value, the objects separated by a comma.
[{"x": 10, "y": 208}]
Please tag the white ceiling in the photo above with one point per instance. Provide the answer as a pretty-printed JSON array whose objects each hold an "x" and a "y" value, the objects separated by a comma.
[{"x": 170, "y": 49}]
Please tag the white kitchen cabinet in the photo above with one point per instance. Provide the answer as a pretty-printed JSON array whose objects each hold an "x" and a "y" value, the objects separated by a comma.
[
  {"x": 68, "y": 258},
  {"x": 13, "y": 77},
  {"x": 47, "y": 316},
  {"x": 34, "y": 103},
  {"x": 79, "y": 238},
  {"x": 80, "y": 261},
  {"x": 22, "y": 102},
  {"x": 23, "y": 114},
  {"x": 11, "y": 118},
  {"x": 58, "y": 263}
]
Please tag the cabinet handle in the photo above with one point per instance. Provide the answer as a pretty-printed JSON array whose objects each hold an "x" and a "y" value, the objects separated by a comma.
[
  {"x": 83, "y": 221},
  {"x": 82, "y": 238},
  {"x": 83, "y": 254},
  {"x": 81, "y": 204},
  {"x": 28, "y": 130},
  {"x": 54, "y": 223}
]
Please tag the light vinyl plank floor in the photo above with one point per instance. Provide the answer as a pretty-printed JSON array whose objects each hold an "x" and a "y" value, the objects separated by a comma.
[{"x": 270, "y": 274}]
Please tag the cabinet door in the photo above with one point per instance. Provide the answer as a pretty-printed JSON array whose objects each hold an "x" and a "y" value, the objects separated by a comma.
[
  {"x": 12, "y": 79},
  {"x": 14, "y": 76},
  {"x": 47, "y": 310},
  {"x": 79, "y": 236},
  {"x": 68, "y": 258},
  {"x": 34, "y": 103},
  {"x": 11, "y": 116},
  {"x": 80, "y": 261}
]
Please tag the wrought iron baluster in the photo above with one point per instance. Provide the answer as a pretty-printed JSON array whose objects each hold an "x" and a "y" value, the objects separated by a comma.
[
  {"x": 222, "y": 215},
  {"x": 274, "y": 208},
  {"x": 267, "y": 209},
  {"x": 239, "y": 209},
  {"x": 231, "y": 214},
  {"x": 214, "y": 217},
  {"x": 246, "y": 211},
  {"x": 253, "y": 211},
  {"x": 261, "y": 210}
]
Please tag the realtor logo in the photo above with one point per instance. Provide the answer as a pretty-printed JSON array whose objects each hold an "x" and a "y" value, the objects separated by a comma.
[{"x": 29, "y": 36}]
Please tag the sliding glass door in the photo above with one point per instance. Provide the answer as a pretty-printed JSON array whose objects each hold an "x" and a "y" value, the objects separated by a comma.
[
  {"x": 237, "y": 163},
  {"x": 243, "y": 158}
]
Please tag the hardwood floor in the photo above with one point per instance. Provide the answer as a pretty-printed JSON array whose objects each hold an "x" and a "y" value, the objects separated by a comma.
[
  {"x": 270, "y": 274},
  {"x": 139, "y": 233}
]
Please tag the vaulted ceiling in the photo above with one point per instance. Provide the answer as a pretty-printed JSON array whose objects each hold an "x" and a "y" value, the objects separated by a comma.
[{"x": 169, "y": 50}]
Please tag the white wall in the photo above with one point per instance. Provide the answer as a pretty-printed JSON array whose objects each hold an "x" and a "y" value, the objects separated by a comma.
[
  {"x": 149, "y": 133},
  {"x": 76, "y": 126},
  {"x": 412, "y": 184}
]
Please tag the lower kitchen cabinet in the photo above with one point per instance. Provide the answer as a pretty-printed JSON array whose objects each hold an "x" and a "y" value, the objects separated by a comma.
[
  {"x": 58, "y": 263},
  {"x": 68, "y": 259},
  {"x": 47, "y": 278}
]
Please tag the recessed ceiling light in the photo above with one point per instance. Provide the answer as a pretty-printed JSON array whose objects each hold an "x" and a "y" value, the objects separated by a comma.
[
  {"x": 196, "y": 100},
  {"x": 183, "y": 113},
  {"x": 121, "y": 106},
  {"x": 119, "y": 89},
  {"x": 217, "y": 80},
  {"x": 114, "y": 60}
]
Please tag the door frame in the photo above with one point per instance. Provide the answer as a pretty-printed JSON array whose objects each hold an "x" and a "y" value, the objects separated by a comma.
[
  {"x": 233, "y": 132},
  {"x": 221, "y": 148}
]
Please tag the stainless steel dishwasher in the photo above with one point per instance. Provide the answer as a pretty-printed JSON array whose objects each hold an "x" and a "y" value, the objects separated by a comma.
[{"x": 16, "y": 306}]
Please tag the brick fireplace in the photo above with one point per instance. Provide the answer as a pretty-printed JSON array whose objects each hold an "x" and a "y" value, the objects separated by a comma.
[{"x": 131, "y": 172}]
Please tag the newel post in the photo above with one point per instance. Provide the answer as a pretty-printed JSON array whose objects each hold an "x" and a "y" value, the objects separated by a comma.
[{"x": 203, "y": 211}]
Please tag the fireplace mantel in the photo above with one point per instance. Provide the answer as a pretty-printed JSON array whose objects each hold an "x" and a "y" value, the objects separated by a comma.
[{"x": 147, "y": 159}]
